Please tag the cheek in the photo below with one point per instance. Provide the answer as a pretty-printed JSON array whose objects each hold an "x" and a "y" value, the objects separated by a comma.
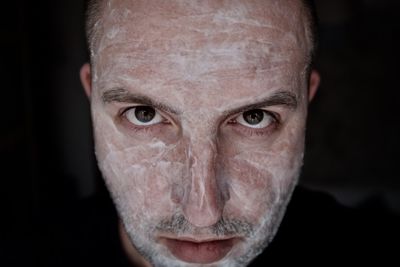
[
  {"x": 259, "y": 180},
  {"x": 147, "y": 183},
  {"x": 250, "y": 189},
  {"x": 143, "y": 178}
]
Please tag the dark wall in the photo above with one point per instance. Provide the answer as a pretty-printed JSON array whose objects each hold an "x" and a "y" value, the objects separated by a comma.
[
  {"x": 46, "y": 147},
  {"x": 16, "y": 144},
  {"x": 45, "y": 141},
  {"x": 353, "y": 137}
]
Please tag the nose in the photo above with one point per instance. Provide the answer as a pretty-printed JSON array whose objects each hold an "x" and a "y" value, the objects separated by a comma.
[{"x": 203, "y": 201}]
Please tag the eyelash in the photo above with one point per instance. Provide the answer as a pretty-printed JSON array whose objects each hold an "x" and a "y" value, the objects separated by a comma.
[
  {"x": 276, "y": 122},
  {"x": 142, "y": 129}
]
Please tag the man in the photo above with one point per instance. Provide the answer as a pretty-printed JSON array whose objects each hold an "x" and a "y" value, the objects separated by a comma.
[{"x": 199, "y": 111}]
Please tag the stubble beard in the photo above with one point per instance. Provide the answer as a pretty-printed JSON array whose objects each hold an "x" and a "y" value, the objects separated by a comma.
[{"x": 257, "y": 237}]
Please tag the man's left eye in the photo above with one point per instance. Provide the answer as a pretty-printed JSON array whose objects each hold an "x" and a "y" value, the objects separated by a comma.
[
  {"x": 143, "y": 116},
  {"x": 255, "y": 118}
]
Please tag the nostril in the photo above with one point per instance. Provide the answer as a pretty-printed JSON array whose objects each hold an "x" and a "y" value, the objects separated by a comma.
[
  {"x": 177, "y": 193},
  {"x": 225, "y": 195},
  {"x": 223, "y": 187}
]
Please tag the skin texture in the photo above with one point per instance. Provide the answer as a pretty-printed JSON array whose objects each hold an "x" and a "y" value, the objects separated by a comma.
[{"x": 200, "y": 174}]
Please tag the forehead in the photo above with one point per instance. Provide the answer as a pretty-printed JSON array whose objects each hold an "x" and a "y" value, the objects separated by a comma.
[
  {"x": 262, "y": 19},
  {"x": 201, "y": 43}
]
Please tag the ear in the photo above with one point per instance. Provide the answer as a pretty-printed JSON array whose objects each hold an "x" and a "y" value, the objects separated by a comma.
[
  {"x": 313, "y": 84},
  {"x": 86, "y": 79}
]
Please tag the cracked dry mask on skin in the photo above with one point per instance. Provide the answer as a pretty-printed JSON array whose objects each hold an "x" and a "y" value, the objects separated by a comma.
[{"x": 199, "y": 112}]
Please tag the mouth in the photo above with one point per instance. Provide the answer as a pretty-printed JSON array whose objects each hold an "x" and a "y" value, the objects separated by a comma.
[{"x": 199, "y": 251}]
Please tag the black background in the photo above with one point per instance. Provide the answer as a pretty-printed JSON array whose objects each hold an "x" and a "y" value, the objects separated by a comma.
[{"x": 46, "y": 147}]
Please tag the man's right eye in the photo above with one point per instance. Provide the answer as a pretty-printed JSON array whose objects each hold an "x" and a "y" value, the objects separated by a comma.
[{"x": 143, "y": 116}]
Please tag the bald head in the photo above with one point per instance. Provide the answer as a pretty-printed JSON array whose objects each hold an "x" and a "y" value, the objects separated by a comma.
[{"x": 305, "y": 9}]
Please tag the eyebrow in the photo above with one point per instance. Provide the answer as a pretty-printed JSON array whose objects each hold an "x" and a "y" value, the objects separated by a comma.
[
  {"x": 123, "y": 96},
  {"x": 280, "y": 98}
]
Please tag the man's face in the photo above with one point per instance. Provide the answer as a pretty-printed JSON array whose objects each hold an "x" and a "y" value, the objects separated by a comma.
[{"x": 199, "y": 112}]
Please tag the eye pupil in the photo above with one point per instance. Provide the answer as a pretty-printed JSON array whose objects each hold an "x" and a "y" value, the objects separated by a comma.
[
  {"x": 144, "y": 113},
  {"x": 254, "y": 116}
]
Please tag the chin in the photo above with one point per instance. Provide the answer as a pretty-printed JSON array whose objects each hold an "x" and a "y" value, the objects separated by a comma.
[
  {"x": 190, "y": 247},
  {"x": 240, "y": 254}
]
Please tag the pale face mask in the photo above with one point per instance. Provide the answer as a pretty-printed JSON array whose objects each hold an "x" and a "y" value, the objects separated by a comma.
[{"x": 199, "y": 113}]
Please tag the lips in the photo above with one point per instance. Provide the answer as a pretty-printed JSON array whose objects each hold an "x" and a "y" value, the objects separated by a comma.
[{"x": 199, "y": 252}]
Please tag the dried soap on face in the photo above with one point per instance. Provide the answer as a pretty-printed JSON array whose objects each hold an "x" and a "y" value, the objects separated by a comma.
[{"x": 199, "y": 112}]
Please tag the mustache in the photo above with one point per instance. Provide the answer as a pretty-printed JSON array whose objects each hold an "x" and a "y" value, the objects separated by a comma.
[{"x": 179, "y": 225}]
